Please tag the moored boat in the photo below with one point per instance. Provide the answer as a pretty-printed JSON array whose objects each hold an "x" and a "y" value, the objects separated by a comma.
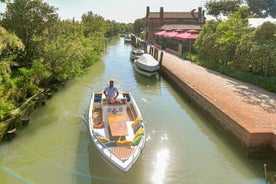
[
  {"x": 146, "y": 65},
  {"x": 135, "y": 54},
  {"x": 117, "y": 129},
  {"x": 127, "y": 39}
]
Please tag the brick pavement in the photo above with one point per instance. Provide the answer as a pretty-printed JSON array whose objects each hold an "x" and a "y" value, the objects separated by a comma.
[{"x": 250, "y": 110}]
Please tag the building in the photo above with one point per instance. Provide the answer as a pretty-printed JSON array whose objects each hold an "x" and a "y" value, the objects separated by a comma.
[{"x": 158, "y": 21}]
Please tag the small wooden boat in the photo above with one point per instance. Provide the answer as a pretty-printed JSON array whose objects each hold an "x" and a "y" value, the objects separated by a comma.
[
  {"x": 117, "y": 129},
  {"x": 135, "y": 54},
  {"x": 146, "y": 65}
]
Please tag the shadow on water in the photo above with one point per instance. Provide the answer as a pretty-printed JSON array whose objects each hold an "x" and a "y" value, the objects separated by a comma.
[{"x": 149, "y": 85}]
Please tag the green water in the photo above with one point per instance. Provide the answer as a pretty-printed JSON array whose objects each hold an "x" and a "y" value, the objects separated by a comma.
[{"x": 182, "y": 146}]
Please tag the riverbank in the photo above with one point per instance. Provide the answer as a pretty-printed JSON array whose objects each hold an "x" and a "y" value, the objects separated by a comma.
[
  {"x": 20, "y": 116},
  {"x": 246, "y": 113}
]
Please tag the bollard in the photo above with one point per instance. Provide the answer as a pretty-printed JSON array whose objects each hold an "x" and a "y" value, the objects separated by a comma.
[
  {"x": 11, "y": 134},
  {"x": 161, "y": 58},
  {"x": 49, "y": 95},
  {"x": 25, "y": 121},
  {"x": 43, "y": 102}
]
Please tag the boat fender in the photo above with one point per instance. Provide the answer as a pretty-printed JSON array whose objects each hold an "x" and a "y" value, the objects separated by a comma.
[
  {"x": 140, "y": 131},
  {"x": 110, "y": 143},
  {"x": 137, "y": 127},
  {"x": 103, "y": 139},
  {"x": 135, "y": 123},
  {"x": 124, "y": 143},
  {"x": 136, "y": 141}
]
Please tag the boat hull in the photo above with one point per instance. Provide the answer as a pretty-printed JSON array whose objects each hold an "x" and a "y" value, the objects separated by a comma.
[
  {"x": 122, "y": 157},
  {"x": 146, "y": 65},
  {"x": 145, "y": 73},
  {"x": 135, "y": 54}
]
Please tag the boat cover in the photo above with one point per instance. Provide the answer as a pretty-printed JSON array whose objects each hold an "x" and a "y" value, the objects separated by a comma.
[{"x": 147, "y": 63}]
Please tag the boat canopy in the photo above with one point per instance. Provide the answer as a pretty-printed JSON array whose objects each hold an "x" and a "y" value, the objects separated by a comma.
[{"x": 148, "y": 63}]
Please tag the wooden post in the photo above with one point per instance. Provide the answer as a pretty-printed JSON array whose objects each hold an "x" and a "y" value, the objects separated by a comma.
[
  {"x": 161, "y": 59},
  {"x": 25, "y": 121},
  {"x": 190, "y": 50},
  {"x": 155, "y": 53}
]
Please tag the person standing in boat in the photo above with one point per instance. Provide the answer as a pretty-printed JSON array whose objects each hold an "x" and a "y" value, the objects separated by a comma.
[{"x": 111, "y": 92}]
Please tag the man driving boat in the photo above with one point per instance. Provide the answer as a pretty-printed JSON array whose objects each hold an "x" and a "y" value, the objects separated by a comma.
[{"x": 111, "y": 92}]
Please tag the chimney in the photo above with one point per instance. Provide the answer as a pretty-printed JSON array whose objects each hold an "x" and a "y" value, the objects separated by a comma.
[
  {"x": 161, "y": 15},
  {"x": 199, "y": 12},
  {"x": 193, "y": 12},
  {"x": 148, "y": 11}
]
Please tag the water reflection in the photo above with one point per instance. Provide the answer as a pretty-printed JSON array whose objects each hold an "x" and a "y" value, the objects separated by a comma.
[
  {"x": 149, "y": 85},
  {"x": 161, "y": 163}
]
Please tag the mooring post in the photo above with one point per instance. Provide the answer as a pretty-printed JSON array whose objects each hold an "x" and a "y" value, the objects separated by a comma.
[
  {"x": 265, "y": 173},
  {"x": 161, "y": 59}
]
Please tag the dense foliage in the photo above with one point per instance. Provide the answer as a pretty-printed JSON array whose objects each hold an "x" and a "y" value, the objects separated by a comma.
[
  {"x": 37, "y": 49},
  {"x": 258, "y": 8},
  {"x": 233, "y": 46}
]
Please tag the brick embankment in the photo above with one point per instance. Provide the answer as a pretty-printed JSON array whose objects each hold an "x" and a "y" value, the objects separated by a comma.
[{"x": 244, "y": 112}]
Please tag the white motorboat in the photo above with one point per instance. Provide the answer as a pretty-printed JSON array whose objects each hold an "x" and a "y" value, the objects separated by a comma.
[
  {"x": 117, "y": 129},
  {"x": 135, "y": 54},
  {"x": 127, "y": 39},
  {"x": 146, "y": 65}
]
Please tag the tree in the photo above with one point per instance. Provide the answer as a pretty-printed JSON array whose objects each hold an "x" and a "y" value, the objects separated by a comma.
[
  {"x": 262, "y": 8},
  {"x": 222, "y": 7},
  {"x": 256, "y": 52},
  {"x": 205, "y": 44},
  {"x": 258, "y": 8},
  {"x": 10, "y": 46},
  {"x": 138, "y": 26},
  {"x": 93, "y": 23},
  {"x": 218, "y": 40},
  {"x": 31, "y": 21}
]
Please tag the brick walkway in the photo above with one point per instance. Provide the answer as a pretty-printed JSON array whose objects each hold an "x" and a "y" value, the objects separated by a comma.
[{"x": 251, "y": 107}]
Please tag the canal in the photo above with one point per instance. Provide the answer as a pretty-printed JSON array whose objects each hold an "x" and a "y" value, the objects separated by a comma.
[{"x": 182, "y": 145}]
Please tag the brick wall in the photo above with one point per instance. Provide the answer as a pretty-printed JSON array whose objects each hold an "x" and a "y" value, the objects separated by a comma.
[{"x": 255, "y": 145}]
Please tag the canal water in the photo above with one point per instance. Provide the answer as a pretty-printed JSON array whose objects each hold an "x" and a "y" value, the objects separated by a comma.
[{"x": 182, "y": 146}]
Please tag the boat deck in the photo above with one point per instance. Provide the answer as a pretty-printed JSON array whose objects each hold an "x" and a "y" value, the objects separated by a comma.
[
  {"x": 122, "y": 153},
  {"x": 130, "y": 116},
  {"x": 97, "y": 114}
]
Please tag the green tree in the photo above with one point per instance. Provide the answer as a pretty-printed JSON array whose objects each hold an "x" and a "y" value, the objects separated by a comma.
[
  {"x": 138, "y": 26},
  {"x": 258, "y": 8},
  {"x": 93, "y": 23},
  {"x": 218, "y": 40},
  {"x": 10, "y": 46},
  {"x": 262, "y": 8},
  {"x": 256, "y": 52},
  {"x": 205, "y": 44},
  {"x": 31, "y": 21},
  {"x": 222, "y": 7}
]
